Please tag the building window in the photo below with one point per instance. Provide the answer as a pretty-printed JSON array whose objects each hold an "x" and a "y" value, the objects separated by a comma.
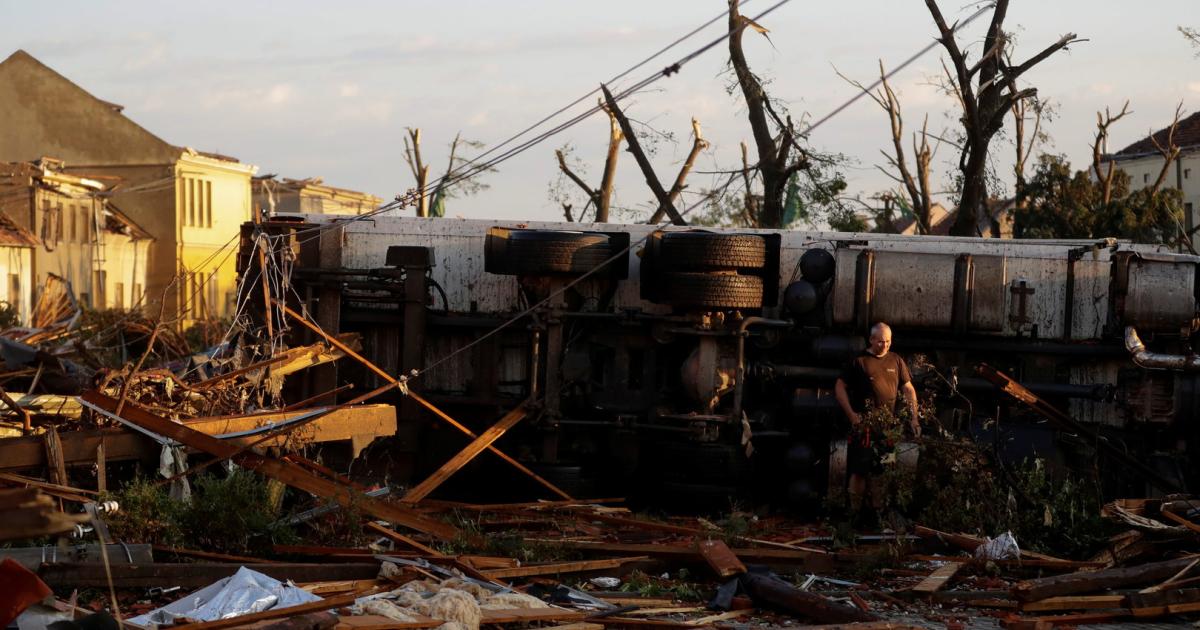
[
  {"x": 119, "y": 298},
  {"x": 208, "y": 204},
  {"x": 85, "y": 222},
  {"x": 1145, "y": 178},
  {"x": 195, "y": 200},
  {"x": 1187, "y": 172},
  {"x": 71, "y": 219},
  {"x": 14, "y": 291}
]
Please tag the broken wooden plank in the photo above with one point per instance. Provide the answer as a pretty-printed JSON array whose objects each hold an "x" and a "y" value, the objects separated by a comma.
[
  {"x": 1078, "y": 602},
  {"x": 725, "y": 616},
  {"x": 289, "y": 474},
  {"x": 722, "y": 560},
  {"x": 1090, "y": 581},
  {"x": 1076, "y": 619},
  {"x": 418, "y": 398},
  {"x": 379, "y": 622},
  {"x": 1173, "y": 517},
  {"x": 808, "y": 560},
  {"x": 1160, "y": 603},
  {"x": 483, "y": 441},
  {"x": 938, "y": 579},
  {"x": 395, "y": 536},
  {"x": 525, "y": 615},
  {"x": 559, "y": 568},
  {"x": 191, "y": 575},
  {"x": 210, "y": 555},
  {"x": 360, "y": 424}
]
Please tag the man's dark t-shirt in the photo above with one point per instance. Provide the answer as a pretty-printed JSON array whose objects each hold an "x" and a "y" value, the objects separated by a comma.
[{"x": 873, "y": 381}]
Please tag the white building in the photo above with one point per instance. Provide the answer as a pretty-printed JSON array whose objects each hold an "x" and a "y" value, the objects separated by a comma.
[{"x": 1143, "y": 162}]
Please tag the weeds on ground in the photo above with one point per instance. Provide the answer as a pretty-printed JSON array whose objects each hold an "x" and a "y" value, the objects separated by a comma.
[
  {"x": 227, "y": 514},
  {"x": 472, "y": 539},
  {"x": 650, "y": 586}
]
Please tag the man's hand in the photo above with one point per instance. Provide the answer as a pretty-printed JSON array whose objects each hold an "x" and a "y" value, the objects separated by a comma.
[
  {"x": 854, "y": 418},
  {"x": 916, "y": 428}
]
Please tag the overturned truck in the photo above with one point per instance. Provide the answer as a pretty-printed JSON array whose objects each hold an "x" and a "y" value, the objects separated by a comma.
[{"x": 658, "y": 359}]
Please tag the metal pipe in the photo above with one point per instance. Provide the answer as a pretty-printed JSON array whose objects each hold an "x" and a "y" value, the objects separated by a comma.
[
  {"x": 740, "y": 383},
  {"x": 1158, "y": 360}
]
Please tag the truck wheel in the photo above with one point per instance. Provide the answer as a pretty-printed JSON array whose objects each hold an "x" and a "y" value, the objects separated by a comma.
[
  {"x": 713, "y": 290},
  {"x": 705, "y": 251},
  {"x": 535, "y": 252}
]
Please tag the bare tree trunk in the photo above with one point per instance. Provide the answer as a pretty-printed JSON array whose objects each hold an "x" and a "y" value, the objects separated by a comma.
[
  {"x": 664, "y": 201},
  {"x": 773, "y": 155},
  {"x": 699, "y": 144},
  {"x": 604, "y": 195},
  {"x": 1100, "y": 149},
  {"x": 987, "y": 91},
  {"x": 420, "y": 170}
]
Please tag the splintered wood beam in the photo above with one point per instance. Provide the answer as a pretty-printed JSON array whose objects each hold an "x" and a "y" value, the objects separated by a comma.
[
  {"x": 559, "y": 568},
  {"x": 401, "y": 538},
  {"x": 938, "y": 579},
  {"x": 484, "y": 440},
  {"x": 287, "y": 473},
  {"x": 333, "y": 341},
  {"x": 722, "y": 560}
]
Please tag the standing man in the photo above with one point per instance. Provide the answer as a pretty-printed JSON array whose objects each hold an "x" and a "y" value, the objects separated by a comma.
[{"x": 869, "y": 386}]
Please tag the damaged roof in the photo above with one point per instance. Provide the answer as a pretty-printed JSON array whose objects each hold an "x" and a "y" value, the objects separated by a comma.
[
  {"x": 13, "y": 235},
  {"x": 1187, "y": 137}
]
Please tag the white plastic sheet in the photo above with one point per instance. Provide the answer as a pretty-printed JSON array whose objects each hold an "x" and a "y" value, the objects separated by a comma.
[
  {"x": 1002, "y": 547},
  {"x": 242, "y": 593}
]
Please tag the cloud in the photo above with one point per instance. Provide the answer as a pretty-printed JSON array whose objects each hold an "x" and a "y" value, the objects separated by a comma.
[
  {"x": 348, "y": 90},
  {"x": 273, "y": 96},
  {"x": 1101, "y": 88},
  {"x": 1194, "y": 87}
]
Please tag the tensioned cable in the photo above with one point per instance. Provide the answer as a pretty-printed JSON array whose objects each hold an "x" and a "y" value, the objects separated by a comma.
[
  {"x": 670, "y": 70},
  {"x": 452, "y": 178}
]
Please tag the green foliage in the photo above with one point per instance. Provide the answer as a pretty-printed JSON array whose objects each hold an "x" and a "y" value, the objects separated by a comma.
[
  {"x": 652, "y": 586},
  {"x": 958, "y": 488},
  {"x": 147, "y": 514},
  {"x": 233, "y": 514},
  {"x": 472, "y": 539},
  {"x": 228, "y": 514},
  {"x": 1058, "y": 202}
]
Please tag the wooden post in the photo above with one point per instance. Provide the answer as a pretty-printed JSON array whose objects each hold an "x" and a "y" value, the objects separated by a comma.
[
  {"x": 54, "y": 456},
  {"x": 101, "y": 464}
]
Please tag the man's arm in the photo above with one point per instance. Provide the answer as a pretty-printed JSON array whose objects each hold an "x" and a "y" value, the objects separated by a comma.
[
  {"x": 914, "y": 420},
  {"x": 839, "y": 392}
]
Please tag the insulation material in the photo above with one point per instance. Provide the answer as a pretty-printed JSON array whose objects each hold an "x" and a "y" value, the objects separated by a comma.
[
  {"x": 509, "y": 601},
  {"x": 385, "y": 608},
  {"x": 452, "y": 605}
]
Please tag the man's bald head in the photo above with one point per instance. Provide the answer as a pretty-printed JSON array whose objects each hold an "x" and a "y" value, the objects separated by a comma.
[{"x": 881, "y": 339}]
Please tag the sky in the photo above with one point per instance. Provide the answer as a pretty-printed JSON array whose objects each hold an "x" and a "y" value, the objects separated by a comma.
[{"x": 322, "y": 89}]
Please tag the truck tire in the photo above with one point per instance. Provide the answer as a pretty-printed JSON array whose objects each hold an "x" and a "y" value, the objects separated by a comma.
[
  {"x": 537, "y": 252},
  {"x": 705, "y": 251},
  {"x": 713, "y": 290}
]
